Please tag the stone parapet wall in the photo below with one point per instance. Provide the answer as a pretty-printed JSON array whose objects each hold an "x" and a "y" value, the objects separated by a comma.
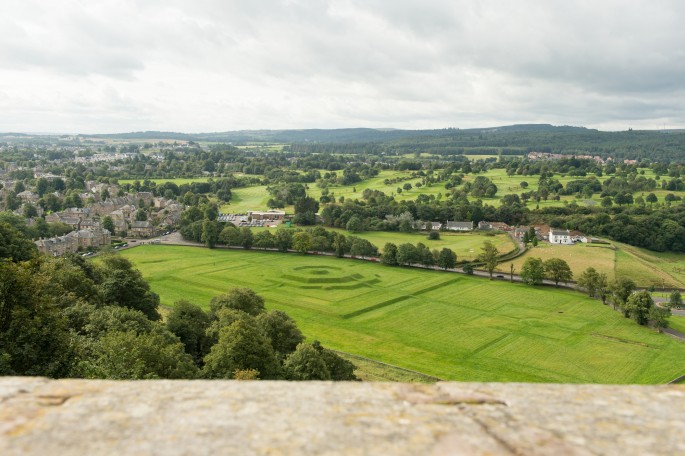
[{"x": 82, "y": 417}]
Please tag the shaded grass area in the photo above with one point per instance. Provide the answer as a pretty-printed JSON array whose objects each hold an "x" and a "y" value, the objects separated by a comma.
[
  {"x": 451, "y": 326},
  {"x": 369, "y": 370}
]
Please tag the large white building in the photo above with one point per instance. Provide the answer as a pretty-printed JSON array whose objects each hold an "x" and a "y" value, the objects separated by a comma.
[{"x": 560, "y": 237}]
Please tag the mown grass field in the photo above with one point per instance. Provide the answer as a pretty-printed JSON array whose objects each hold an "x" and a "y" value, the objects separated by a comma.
[
  {"x": 447, "y": 325},
  {"x": 677, "y": 322},
  {"x": 643, "y": 266},
  {"x": 467, "y": 246}
]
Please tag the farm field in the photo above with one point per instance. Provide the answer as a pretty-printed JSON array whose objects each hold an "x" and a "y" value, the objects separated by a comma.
[
  {"x": 579, "y": 257},
  {"x": 466, "y": 245},
  {"x": 643, "y": 266},
  {"x": 247, "y": 199},
  {"x": 451, "y": 326}
]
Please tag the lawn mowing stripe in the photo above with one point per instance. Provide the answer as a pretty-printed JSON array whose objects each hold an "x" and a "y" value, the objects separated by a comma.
[{"x": 380, "y": 305}]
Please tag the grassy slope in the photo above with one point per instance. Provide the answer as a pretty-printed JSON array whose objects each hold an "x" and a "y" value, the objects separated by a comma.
[
  {"x": 451, "y": 326},
  {"x": 645, "y": 267}
]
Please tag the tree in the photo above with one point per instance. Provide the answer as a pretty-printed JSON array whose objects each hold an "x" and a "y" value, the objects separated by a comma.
[
  {"x": 621, "y": 289},
  {"x": 108, "y": 224},
  {"x": 340, "y": 244},
  {"x": 281, "y": 330},
  {"x": 283, "y": 239},
  {"x": 231, "y": 235},
  {"x": 264, "y": 240},
  {"x": 34, "y": 338},
  {"x": 13, "y": 244},
  {"x": 189, "y": 323},
  {"x": 354, "y": 224},
  {"x": 659, "y": 317},
  {"x": 248, "y": 237},
  {"x": 305, "y": 211},
  {"x": 302, "y": 242},
  {"x": 406, "y": 254},
  {"x": 447, "y": 259},
  {"x": 532, "y": 271},
  {"x": 433, "y": 236},
  {"x": 651, "y": 199},
  {"x": 340, "y": 369},
  {"x": 306, "y": 363},
  {"x": 42, "y": 186},
  {"x": 638, "y": 306},
  {"x": 125, "y": 355},
  {"x": 362, "y": 247},
  {"x": 557, "y": 270},
  {"x": 242, "y": 299},
  {"x": 389, "y": 255},
  {"x": 241, "y": 345},
  {"x": 124, "y": 286},
  {"x": 589, "y": 281},
  {"x": 210, "y": 233},
  {"x": 675, "y": 301},
  {"x": 141, "y": 215},
  {"x": 488, "y": 257}
]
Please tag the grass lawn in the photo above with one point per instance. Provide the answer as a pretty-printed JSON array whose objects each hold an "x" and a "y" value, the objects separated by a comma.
[
  {"x": 579, "y": 257},
  {"x": 247, "y": 199},
  {"x": 661, "y": 269},
  {"x": 451, "y": 326},
  {"x": 677, "y": 322},
  {"x": 643, "y": 266},
  {"x": 466, "y": 245}
]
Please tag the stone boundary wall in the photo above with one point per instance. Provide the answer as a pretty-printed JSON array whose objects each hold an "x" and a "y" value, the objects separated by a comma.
[{"x": 78, "y": 417}]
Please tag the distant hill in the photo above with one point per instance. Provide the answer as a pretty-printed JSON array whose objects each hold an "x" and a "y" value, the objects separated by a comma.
[{"x": 340, "y": 135}]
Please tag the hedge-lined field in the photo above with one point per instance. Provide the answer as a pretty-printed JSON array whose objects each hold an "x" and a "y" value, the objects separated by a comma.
[
  {"x": 448, "y": 325},
  {"x": 643, "y": 266}
]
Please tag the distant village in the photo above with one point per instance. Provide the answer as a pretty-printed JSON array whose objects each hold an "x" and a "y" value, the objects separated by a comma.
[{"x": 87, "y": 222}]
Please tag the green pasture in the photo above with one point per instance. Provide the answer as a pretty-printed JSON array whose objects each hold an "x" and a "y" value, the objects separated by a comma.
[
  {"x": 643, "y": 266},
  {"x": 247, "y": 199},
  {"x": 467, "y": 246},
  {"x": 579, "y": 257},
  {"x": 448, "y": 325}
]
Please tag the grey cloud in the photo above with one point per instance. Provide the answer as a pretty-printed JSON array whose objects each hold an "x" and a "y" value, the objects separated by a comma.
[{"x": 211, "y": 64}]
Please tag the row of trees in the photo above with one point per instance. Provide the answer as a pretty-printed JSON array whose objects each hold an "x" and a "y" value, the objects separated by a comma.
[
  {"x": 407, "y": 254},
  {"x": 623, "y": 296},
  {"x": 534, "y": 271},
  {"x": 68, "y": 317}
]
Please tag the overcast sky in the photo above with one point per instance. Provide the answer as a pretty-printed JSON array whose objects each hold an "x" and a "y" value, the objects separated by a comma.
[{"x": 85, "y": 66}]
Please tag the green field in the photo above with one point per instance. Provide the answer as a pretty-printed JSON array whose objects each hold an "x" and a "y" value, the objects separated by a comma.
[
  {"x": 466, "y": 245},
  {"x": 643, "y": 266},
  {"x": 448, "y": 325},
  {"x": 247, "y": 199}
]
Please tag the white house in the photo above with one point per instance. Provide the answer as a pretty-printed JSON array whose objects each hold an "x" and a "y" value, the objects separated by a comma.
[
  {"x": 459, "y": 226},
  {"x": 560, "y": 237}
]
